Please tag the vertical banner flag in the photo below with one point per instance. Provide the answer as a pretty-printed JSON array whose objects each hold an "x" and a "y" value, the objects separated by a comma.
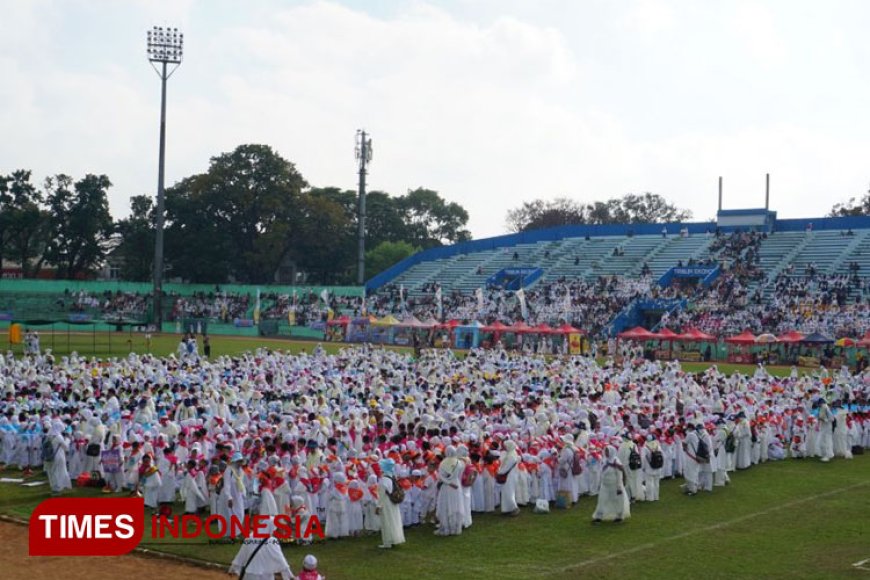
[
  {"x": 257, "y": 308},
  {"x": 521, "y": 296},
  {"x": 479, "y": 294},
  {"x": 438, "y": 302}
]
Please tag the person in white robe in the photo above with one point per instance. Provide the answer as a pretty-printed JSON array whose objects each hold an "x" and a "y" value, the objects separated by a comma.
[
  {"x": 651, "y": 475},
  {"x": 261, "y": 559},
  {"x": 826, "y": 431},
  {"x": 449, "y": 507},
  {"x": 58, "y": 477},
  {"x": 613, "y": 504},
  {"x": 508, "y": 468},
  {"x": 392, "y": 532},
  {"x": 234, "y": 490}
]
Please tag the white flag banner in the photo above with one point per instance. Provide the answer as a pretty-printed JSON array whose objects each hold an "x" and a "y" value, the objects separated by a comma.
[
  {"x": 479, "y": 294},
  {"x": 324, "y": 295},
  {"x": 521, "y": 296},
  {"x": 257, "y": 308},
  {"x": 438, "y": 302}
]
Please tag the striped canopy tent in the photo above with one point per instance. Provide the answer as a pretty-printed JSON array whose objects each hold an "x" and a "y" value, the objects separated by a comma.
[{"x": 411, "y": 321}]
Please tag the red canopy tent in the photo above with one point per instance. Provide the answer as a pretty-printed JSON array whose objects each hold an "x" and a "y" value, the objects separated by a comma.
[
  {"x": 744, "y": 337},
  {"x": 496, "y": 327},
  {"x": 790, "y": 337},
  {"x": 667, "y": 334},
  {"x": 567, "y": 329},
  {"x": 451, "y": 324},
  {"x": 340, "y": 321},
  {"x": 521, "y": 328},
  {"x": 695, "y": 335},
  {"x": 543, "y": 328},
  {"x": 638, "y": 333}
]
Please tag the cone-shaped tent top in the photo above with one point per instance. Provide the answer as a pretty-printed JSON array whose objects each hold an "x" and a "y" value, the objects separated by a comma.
[
  {"x": 521, "y": 327},
  {"x": 695, "y": 335},
  {"x": 388, "y": 320},
  {"x": 567, "y": 329},
  {"x": 765, "y": 338},
  {"x": 790, "y": 337},
  {"x": 638, "y": 333},
  {"x": 472, "y": 324},
  {"x": 411, "y": 321},
  {"x": 342, "y": 320},
  {"x": 845, "y": 342},
  {"x": 543, "y": 328},
  {"x": 430, "y": 323},
  {"x": 451, "y": 324},
  {"x": 817, "y": 338},
  {"x": 667, "y": 334},
  {"x": 744, "y": 337},
  {"x": 496, "y": 327}
]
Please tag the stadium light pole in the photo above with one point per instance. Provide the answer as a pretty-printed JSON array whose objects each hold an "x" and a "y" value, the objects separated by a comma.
[
  {"x": 165, "y": 47},
  {"x": 364, "y": 156}
]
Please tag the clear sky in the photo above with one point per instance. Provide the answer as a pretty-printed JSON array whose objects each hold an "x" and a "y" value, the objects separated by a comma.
[{"x": 490, "y": 102}]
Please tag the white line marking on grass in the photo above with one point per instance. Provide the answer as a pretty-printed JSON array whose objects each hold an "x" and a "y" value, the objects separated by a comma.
[
  {"x": 860, "y": 565},
  {"x": 709, "y": 528}
]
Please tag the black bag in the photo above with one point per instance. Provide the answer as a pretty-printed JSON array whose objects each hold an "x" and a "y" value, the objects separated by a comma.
[
  {"x": 634, "y": 462},
  {"x": 48, "y": 450},
  {"x": 93, "y": 450},
  {"x": 396, "y": 496},
  {"x": 730, "y": 443},
  {"x": 656, "y": 460},
  {"x": 857, "y": 450},
  {"x": 702, "y": 452}
]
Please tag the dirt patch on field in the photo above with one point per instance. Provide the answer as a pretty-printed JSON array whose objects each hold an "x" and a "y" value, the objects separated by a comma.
[{"x": 17, "y": 564}]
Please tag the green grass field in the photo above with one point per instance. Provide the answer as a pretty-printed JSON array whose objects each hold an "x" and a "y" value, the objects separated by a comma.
[
  {"x": 109, "y": 345},
  {"x": 790, "y": 519}
]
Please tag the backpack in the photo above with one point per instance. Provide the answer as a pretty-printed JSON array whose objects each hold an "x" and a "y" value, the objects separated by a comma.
[
  {"x": 702, "y": 452},
  {"x": 730, "y": 443},
  {"x": 656, "y": 459},
  {"x": 396, "y": 496},
  {"x": 577, "y": 464},
  {"x": 634, "y": 462},
  {"x": 469, "y": 475},
  {"x": 48, "y": 450}
]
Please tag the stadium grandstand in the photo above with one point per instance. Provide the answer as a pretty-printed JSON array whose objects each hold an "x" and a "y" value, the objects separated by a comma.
[{"x": 747, "y": 270}]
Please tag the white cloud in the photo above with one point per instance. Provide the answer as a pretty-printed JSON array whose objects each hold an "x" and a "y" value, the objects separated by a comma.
[{"x": 592, "y": 101}]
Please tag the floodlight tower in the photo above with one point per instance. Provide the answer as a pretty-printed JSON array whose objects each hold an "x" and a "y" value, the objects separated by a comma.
[
  {"x": 363, "y": 156},
  {"x": 165, "y": 47}
]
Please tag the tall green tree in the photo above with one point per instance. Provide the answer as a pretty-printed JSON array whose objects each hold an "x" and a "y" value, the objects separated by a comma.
[
  {"x": 136, "y": 248},
  {"x": 242, "y": 213},
  {"x": 24, "y": 223},
  {"x": 432, "y": 221},
  {"x": 852, "y": 207},
  {"x": 80, "y": 223},
  {"x": 628, "y": 209},
  {"x": 386, "y": 254}
]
